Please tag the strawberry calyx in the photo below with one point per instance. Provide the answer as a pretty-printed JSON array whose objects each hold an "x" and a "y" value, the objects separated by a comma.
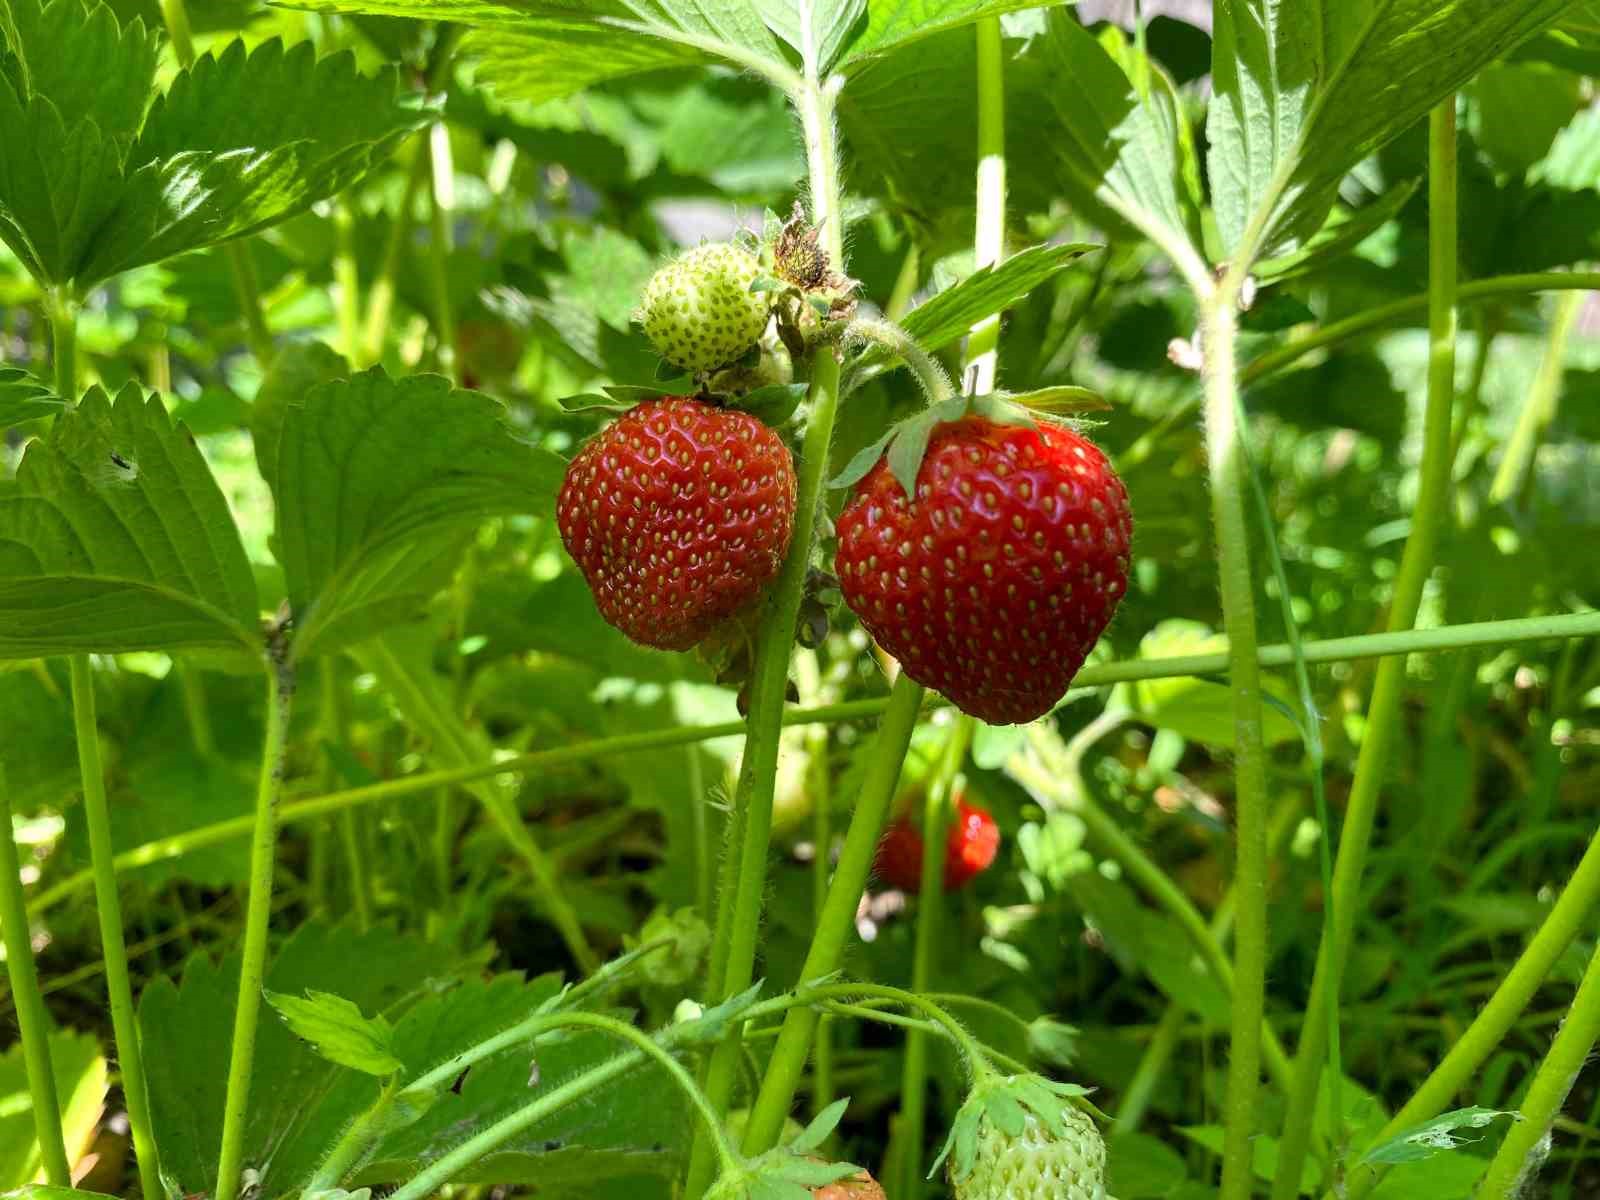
[
  {"x": 906, "y": 442},
  {"x": 772, "y": 404},
  {"x": 1007, "y": 1102},
  {"x": 791, "y": 1170}
]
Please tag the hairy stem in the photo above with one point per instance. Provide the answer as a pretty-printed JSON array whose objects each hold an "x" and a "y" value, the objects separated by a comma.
[
  {"x": 837, "y": 922},
  {"x": 929, "y": 374},
  {"x": 258, "y": 912},
  {"x": 33, "y": 1022},
  {"x": 1250, "y": 781},
  {"x": 1383, "y": 712},
  {"x": 1351, "y": 649},
  {"x": 97, "y": 818},
  {"x": 938, "y": 803},
  {"x": 1569, "y": 917},
  {"x": 1522, "y": 1152}
]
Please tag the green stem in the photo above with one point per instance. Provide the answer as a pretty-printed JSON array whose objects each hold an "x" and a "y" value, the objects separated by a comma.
[
  {"x": 938, "y": 801},
  {"x": 33, "y": 1022},
  {"x": 758, "y": 770},
  {"x": 258, "y": 912},
  {"x": 815, "y": 102},
  {"x": 347, "y": 278},
  {"x": 349, "y": 836},
  {"x": 1521, "y": 1154},
  {"x": 1250, "y": 781},
  {"x": 1539, "y": 405},
  {"x": 1569, "y": 917},
  {"x": 1059, "y": 781},
  {"x": 836, "y": 925},
  {"x": 113, "y": 949},
  {"x": 176, "y": 18},
  {"x": 822, "y": 1091},
  {"x": 1383, "y": 712},
  {"x": 905, "y": 284},
  {"x": 929, "y": 374},
  {"x": 441, "y": 198},
  {"x": 1493, "y": 288},
  {"x": 1333, "y": 650},
  {"x": 380, "y": 299},
  {"x": 989, "y": 241},
  {"x": 97, "y": 817},
  {"x": 247, "y": 288},
  {"x": 196, "y": 708},
  {"x": 700, "y": 816},
  {"x": 1169, "y": 1030}
]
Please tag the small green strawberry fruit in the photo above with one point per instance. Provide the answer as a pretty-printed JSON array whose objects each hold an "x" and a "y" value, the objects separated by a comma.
[
  {"x": 1023, "y": 1137},
  {"x": 698, "y": 310},
  {"x": 1039, "y": 1164}
]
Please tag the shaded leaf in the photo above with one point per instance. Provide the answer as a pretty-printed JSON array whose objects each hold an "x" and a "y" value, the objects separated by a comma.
[
  {"x": 115, "y": 537},
  {"x": 24, "y": 398},
  {"x": 80, "y": 1076},
  {"x": 1433, "y": 1137},
  {"x": 373, "y": 478}
]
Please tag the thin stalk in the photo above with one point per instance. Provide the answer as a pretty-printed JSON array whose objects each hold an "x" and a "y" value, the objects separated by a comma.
[
  {"x": 33, "y": 1022},
  {"x": 758, "y": 770},
  {"x": 355, "y": 862},
  {"x": 380, "y": 297},
  {"x": 929, "y": 374},
  {"x": 1384, "y": 710},
  {"x": 1045, "y": 778},
  {"x": 97, "y": 817},
  {"x": 247, "y": 289},
  {"x": 1523, "y": 1151},
  {"x": 440, "y": 241},
  {"x": 939, "y": 800},
  {"x": 989, "y": 243},
  {"x": 258, "y": 912},
  {"x": 347, "y": 278},
  {"x": 113, "y": 949},
  {"x": 700, "y": 815},
  {"x": 1494, "y": 288},
  {"x": 822, "y": 1092},
  {"x": 837, "y": 923},
  {"x": 176, "y": 18},
  {"x": 1568, "y": 917},
  {"x": 905, "y": 284},
  {"x": 196, "y": 708},
  {"x": 1169, "y": 1030},
  {"x": 1351, "y": 649},
  {"x": 1250, "y": 780},
  {"x": 1539, "y": 406}
]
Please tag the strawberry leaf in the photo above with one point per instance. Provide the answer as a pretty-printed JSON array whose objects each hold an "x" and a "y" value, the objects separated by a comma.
[
  {"x": 23, "y": 398},
  {"x": 338, "y": 1032},
  {"x": 773, "y": 404},
  {"x": 1433, "y": 1137}
]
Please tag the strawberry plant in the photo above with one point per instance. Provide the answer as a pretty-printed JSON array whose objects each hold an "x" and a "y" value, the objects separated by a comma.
[{"x": 766, "y": 599}]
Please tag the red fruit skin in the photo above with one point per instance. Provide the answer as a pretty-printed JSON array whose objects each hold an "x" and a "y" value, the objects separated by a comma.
[
  {"x": 969, "y": 850},
  {"x": 994, "y": 584},
  {"x": 679, "y": 514}
]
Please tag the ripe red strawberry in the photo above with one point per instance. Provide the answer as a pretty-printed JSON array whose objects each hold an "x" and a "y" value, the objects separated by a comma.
[
  {"x": 969, "y": 850},
  {"x": 995, "y": 582},
  {"x": 678, "y": 515}
]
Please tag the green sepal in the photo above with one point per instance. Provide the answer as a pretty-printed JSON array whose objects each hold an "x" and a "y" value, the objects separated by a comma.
[
  {"x": 768, "y": 283},
  {"x": 821, "y": 1126},
  {"x": 906, "y": 443},
  {"x": 1007, "y": 1101},
  {"x": 772, "y": 405},
  {"x": 1050, "y": 401},
  {"x": 592, "y": 401},
  {"x": 628, "y": 393}
]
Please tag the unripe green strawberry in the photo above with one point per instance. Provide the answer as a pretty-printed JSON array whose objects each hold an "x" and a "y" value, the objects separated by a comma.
[
  {"x": 1037, "y": 1164},
  {"x": 699, "y": 311}
]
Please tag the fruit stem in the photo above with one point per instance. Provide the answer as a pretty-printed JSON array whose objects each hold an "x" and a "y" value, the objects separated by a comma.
[
  {"x": 1383, "y": 713},
  {"x": 1250, "y": 778},
  {"x": 1523, "y": 1151},
  {"x": 930, "y": 375},
  {"x": 938, "y": 802},
  {"x": 1567, "y": 918},
  {"x": 837, "y": 923},
  {"x": 441, "y": 200},
  {"x": 739, "y": 911},
  {"x": 258, "y": 913},
  {"x": 33, "y": 1021}
]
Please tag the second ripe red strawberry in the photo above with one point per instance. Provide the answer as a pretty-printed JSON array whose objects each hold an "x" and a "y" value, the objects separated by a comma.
[
  {"x": 994, "y": 581},
  {"x": 969, "y": 850}
]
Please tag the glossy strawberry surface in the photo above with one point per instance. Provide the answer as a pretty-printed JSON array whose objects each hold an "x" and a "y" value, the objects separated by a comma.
[
  {"x": 679, "y": 514},
  {"x": 993, "y": 584}
]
